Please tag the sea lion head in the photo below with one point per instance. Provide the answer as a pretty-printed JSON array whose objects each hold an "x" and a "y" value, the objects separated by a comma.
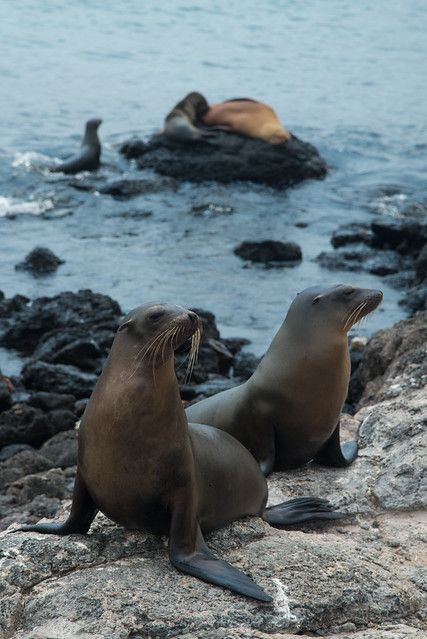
[
  {"x": 93, "y": 124},
  {"x": 197, "y": 102},
  {"x": 159, "y": 329},
  {"x": 340, "y": 306}
]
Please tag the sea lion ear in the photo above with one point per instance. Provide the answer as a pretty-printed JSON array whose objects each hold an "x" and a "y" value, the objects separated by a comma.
[
  {"x": 317, "y": 299},
  {"x": 124, "y": 326}
]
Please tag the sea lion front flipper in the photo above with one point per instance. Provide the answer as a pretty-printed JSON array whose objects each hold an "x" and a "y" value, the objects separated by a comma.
[
  {"x": 299, "y": 510},
  {"x": 335, "y": 454},
  {"x": 188, "y": 553},
  {"x": 83, "y": 511}
]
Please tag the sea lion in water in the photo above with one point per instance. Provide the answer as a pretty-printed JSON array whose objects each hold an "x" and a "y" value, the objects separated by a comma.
[
  {"x": 181, "y": 124},
  {"x": 88, "y": 159},
  {"x": 141, "y": 464},
  {"x": 245, "y": 116},
  {"x": 288, "y": 412}
]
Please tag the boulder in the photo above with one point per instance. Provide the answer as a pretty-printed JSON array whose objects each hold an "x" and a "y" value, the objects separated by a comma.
[
  {"x": 40, "y": 261},
  {"x": 229, "y": 158},
  {"x": 58, "y": 378},
  {"x": 269, "y": 251},
  {"x": 24, "y": 324}
]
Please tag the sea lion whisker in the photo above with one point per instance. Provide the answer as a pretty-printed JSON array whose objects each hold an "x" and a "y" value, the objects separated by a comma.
[
  {"x": 144, "y": 352},
  {"x": 349, "y": 321},
  {"x": 194, "y": 351}
]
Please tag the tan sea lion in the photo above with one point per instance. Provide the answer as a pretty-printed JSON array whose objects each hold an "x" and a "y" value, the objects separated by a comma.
[
  {"x": 248, "y": 117},
  {"x": 88, "y": 158},
  {"x": 288, "y": 412},
  {"x": 142, "y": 465}
]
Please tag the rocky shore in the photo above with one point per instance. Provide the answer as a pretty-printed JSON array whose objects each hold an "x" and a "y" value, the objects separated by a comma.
[{"x": 361, "y": 577}]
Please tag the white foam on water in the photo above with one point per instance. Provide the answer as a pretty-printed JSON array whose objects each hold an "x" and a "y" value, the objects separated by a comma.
[
  {"x": 10, "y": 206},
  {"x": 33, "y": 160}
]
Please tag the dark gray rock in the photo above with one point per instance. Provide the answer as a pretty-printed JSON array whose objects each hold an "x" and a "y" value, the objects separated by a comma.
[
  {"x": 269, "y": 251},
  {"x": 416, "y": 299},
  {"x": 24, "y": 325},
  {"x": 351, "y": 234},
  {"x": 61, "y": 449},
  {"x": 26, "y": 462},
  {"x": 125, "y": 189},
  {"x": 51, "y": 401},
  {"x": 244, "y": 365},
  {"x": 13, "y": 449},
  {"x": 71, "y": 346},
  {"x": 40, "y": 261},
  {"x": 24, "y": 425},
  {"x": 421, "y": 266},
  {"x": 405, "y": 236},
  {"x": 229, "y": 158},
  {"x": 58, "y": 378},
  {"x": 5, "y": 394}
]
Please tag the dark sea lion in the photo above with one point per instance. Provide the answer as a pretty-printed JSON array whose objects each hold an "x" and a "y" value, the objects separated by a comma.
[
  {"x": 89, "y": 157},
  {"x": 142, "y": 465},
  {"x": 245, "y": 116},
  {"x": 288, "y": 412},
  {"x": 181, "y": 124}
]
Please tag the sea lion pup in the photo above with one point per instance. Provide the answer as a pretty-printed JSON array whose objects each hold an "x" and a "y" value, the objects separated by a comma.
[
  {"x": 88, "y": 159},
  {"x": 245, "y": 116},
  {"x": 181, "y": 123},
  {"x": 141, "y": 464},
  {"x": 288, "y": 412}
]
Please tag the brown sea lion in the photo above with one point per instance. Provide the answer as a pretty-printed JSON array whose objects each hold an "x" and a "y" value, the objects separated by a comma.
[
  {"x": 181, "y": 124},
  {"x": 88, "y": 158},
  {"x": 245, "y": 116},
  {"x": 288, "y": 412},
  {"x": 141, "y": 465}
]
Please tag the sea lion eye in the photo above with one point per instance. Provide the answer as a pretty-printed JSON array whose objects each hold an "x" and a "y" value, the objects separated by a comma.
[
  {"x": 317, "y": 299},
  {"x": 349, "y": 291},
  {"x": 156, "y": 316}
]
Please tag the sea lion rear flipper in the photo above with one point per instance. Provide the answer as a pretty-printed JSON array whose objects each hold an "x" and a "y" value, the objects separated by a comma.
[
  {"x": 196, "y": 559},
  {"x": 335, "y": 454},
  {"x": 299, "y": 510},
  {"x": 83, "y": 511}
]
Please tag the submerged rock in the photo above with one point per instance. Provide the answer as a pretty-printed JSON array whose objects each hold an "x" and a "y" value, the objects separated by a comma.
[
  {"x": 269, "y": 251},
  {"x": 40, "y": 261},
  {"x": 229, "y": 158},
  {"x": 130, "y": 188}
]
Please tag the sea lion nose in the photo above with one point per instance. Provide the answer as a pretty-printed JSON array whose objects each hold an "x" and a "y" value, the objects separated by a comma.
[{"x": 193, "y": 317}]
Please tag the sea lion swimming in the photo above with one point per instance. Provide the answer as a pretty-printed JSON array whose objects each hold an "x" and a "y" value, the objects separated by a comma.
[
  {"x": 248, "y": 117},
  {"x": 88, "y": 159},
  {"x": 141, "y": 465},
  {"x": 288, "y": 412}
]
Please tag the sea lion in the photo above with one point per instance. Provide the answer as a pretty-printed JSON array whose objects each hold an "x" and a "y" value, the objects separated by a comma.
[
  {"x": 89, "y": 157},
  {"x": 288, "y": 412},
  {"x": 181, "y": 124},
  {"x": 140, "y": 464},
  {"x": 245, "y": 116}
]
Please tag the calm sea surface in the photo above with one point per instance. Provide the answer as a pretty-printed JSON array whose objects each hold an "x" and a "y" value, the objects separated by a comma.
[{"x": 347, "y": 76}]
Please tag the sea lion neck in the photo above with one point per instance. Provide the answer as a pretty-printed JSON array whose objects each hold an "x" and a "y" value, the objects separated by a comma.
[{"x": 90, "y": 137}]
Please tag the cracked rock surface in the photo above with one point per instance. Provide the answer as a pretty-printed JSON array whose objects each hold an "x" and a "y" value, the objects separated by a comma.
[{"x": 363, "y": 577}]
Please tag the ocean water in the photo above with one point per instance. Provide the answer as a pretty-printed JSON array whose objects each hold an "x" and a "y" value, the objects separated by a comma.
[{"x": 349, "y": 77}]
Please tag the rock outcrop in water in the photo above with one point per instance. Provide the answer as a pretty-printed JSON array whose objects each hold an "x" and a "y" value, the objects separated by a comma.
[
  {"x": 40, "y": 261},
  {"x": 229, "y": 158},
  {"x": 394, "y": 249},
  {"x": 360, "y": 578}
]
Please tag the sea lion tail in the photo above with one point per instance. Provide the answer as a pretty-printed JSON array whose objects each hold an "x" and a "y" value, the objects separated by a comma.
[{"x": 299, "y": 510}]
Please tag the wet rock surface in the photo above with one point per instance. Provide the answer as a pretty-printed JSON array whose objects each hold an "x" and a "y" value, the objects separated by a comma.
[
  {"x": 228, "y": 158},
  {"x": 40, "y": 261},
  {"x": 269, "y": 251},
  {"x": 395, "y": 249},
  {"x": 359, "y": 578}
]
